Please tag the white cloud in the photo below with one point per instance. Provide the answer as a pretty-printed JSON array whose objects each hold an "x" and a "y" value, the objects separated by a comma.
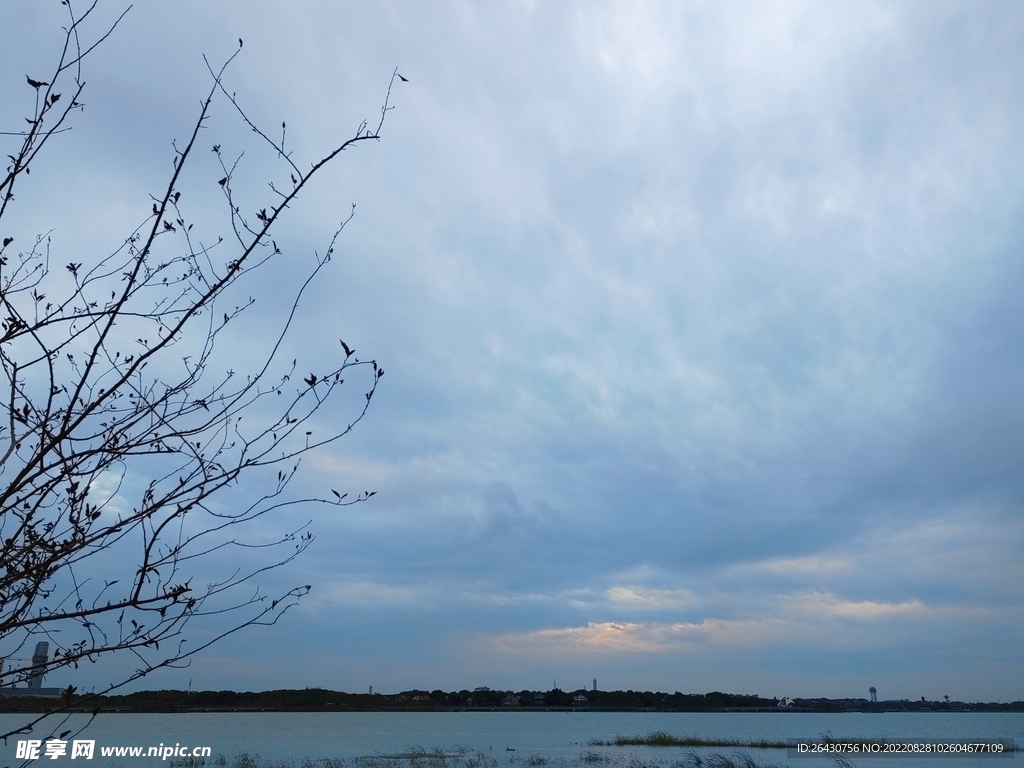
[
  {"x": 812, "y": 564},
  {"x": 646, "y": 597},
  {"x": 807, "y": 620}
]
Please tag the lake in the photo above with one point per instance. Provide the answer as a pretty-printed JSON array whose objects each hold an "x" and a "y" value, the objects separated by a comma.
[{"x": 521, "y": 739}]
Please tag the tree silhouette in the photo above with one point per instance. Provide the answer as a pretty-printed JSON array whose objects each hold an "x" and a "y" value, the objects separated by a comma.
[{"x": 120, "y": 431}]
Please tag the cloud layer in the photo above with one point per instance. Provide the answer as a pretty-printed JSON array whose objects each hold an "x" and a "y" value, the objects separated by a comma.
[{"x": 701, "y": 323}]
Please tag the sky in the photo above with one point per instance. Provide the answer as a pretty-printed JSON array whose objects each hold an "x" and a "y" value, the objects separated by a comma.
[{"x": 702, "y": 327}]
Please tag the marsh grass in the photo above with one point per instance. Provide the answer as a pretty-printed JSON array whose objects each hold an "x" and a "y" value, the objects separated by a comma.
[
  {"x": 663, "y": 739},
  {"x": 438, "y": 758},
  {"x": 418, "y": 757},
  {"x": 414, "y": 758},
  {"x": 738, "y": 760}
]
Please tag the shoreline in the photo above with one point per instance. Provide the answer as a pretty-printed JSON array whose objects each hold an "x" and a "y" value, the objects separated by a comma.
[{"x": 87, "y": 710}]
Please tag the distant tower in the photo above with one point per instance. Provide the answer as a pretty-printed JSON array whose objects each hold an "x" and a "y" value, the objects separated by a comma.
[
  {"x": 874, "y": 694},
  {"x": 595, "y": 683},
  {"x": 371, "y": 690},
  {"x": 39, "y": 659}
]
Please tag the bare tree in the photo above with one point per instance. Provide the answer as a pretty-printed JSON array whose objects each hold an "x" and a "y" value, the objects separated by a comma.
[{"x": 119, "y": 433}]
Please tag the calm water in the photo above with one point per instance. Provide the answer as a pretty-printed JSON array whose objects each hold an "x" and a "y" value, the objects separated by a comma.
[{"x": 537, "y": 738}]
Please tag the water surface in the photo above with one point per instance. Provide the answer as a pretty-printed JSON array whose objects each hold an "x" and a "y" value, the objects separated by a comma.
[{"x": 525, "y": 739}]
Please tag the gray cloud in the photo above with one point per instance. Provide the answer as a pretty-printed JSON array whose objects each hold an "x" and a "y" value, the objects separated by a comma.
[{"x": 690, "y": 315}]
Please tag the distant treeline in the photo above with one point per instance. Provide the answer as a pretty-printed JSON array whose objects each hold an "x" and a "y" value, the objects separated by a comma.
[{"x": 321, "y": 699}]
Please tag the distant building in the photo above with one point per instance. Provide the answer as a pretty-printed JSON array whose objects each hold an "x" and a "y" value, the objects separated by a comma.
[
  {"x": 510, "y": 701},
  {"x": 39, "y": 659},
  {"x": 595, "y": 684},
  {"x": 580, "y": 700},
  {"x": 874, "y": 694},
  {"x": 36, "y": 671}
]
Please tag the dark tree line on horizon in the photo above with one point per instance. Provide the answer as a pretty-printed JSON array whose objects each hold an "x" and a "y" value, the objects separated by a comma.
[{"x": 322, "y": 699}]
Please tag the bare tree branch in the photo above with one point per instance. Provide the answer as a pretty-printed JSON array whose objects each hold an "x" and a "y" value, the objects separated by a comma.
[{"x": 115, "y": 448}]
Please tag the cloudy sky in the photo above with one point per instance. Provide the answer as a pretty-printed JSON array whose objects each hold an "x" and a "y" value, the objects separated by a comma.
[{"x": 702, "y": 326}]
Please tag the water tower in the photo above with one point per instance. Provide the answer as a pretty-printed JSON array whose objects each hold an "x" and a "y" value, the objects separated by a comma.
[{"x": 874, "y": 694}]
